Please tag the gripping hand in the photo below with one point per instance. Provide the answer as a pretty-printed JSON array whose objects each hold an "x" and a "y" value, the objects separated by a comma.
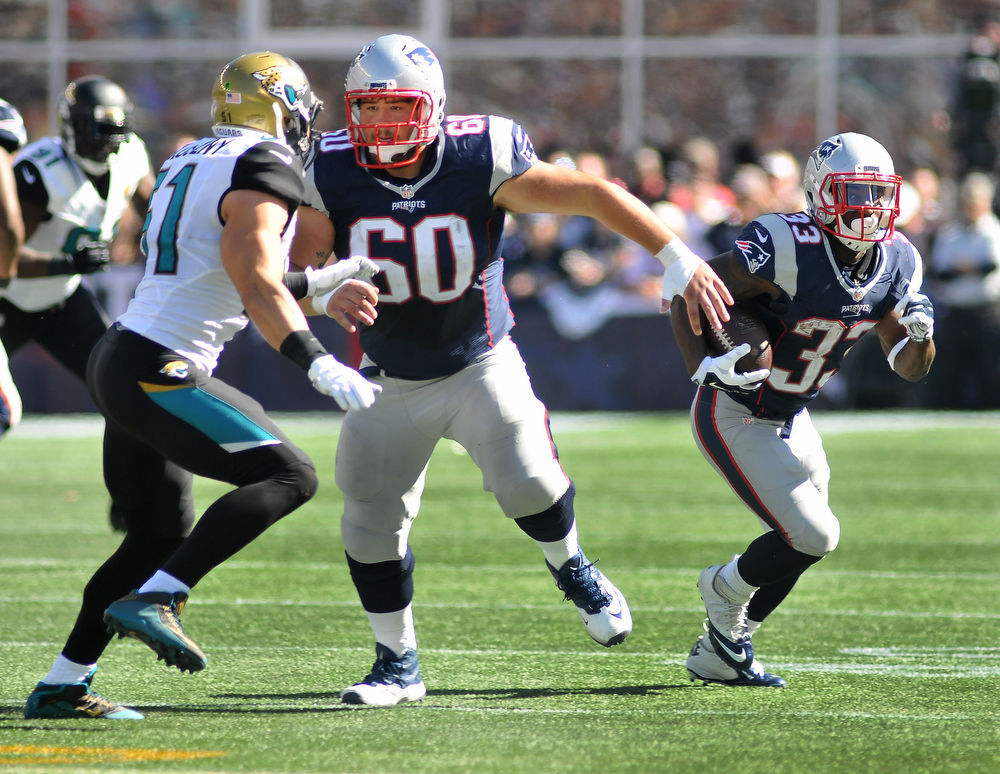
[
  {"x": 916, "y": 314},
  {"x": 89, "y": 258},
  {"x": 331, "y": 277},
  {"x": 345, "y": 385},
  {"x": 720, "y": 372}
]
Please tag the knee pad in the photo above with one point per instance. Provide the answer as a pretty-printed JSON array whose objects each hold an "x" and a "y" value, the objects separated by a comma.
[
  {"x": 552, "y": 524},
  {"x": 384, "y": 587}
]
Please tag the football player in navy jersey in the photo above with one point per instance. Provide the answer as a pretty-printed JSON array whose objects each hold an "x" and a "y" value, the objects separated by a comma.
[
  {"x": 216, "y": 238},
  {"x": 820, "y": 280},
  {"x": 424, "y": 196}
]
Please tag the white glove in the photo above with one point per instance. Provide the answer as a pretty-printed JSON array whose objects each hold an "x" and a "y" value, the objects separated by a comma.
[
  {"x": 331, "y": 277},
  {"x": 916, "y": 314},
  {"x": 720, "y": 372},
  {"x": 345, "y": 385}
]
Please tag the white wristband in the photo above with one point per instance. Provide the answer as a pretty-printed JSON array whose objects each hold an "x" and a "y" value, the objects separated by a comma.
[
  {"x": 310, "y": 282},
  {"x": 681, "y": 264},
  {"x": 319, "y": 303},
  {"x": 891, "y": 357}
]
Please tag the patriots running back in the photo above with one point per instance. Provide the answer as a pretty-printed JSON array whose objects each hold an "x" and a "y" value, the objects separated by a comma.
[{"x": 820, "y": 279}]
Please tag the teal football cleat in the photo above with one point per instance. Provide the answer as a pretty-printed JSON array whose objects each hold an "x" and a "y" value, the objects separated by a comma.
[
  {"x": 152, "y": 617},
  {"x": 601, "y": 605},
  {"x": 74, "y": 700},
  {"x": 393, "y": 680}
]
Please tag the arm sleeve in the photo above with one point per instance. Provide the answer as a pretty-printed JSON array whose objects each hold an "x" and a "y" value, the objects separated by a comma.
[{"x": 271, "y": 168}]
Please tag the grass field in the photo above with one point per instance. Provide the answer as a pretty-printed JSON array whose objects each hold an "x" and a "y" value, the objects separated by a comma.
[{"x": 890, "y": 646}]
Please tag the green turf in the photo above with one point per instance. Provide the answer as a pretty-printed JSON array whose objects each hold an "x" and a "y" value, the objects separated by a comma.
[{"x": 890, "y": 645}]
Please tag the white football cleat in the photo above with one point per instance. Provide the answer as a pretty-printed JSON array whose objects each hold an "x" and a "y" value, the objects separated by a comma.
[
  {"x": 727, "y": 622},
  {"x": 704, "y": 664},
  {"x": 393, "y": 680},
  {"x": 601, "y": 605}
]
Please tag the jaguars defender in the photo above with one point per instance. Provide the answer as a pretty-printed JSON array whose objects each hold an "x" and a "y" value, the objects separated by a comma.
[
  {"x": 424, "y": 196},
  {"x": 73, "y": 190},
  {"x": 820, "y": 279},
  {"x": 216, "y": 238}
]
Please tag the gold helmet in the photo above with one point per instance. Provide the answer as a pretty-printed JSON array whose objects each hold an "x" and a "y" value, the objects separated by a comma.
[{"x": 270, "y": 93}]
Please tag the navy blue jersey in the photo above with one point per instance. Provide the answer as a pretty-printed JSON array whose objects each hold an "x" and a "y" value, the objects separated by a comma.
[
  {"x": 822, "y": 311},
  {"x": 437, "y": 240}
]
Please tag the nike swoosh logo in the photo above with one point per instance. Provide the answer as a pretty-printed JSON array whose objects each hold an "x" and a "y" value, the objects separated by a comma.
[
  {"x": 28, "y": 175},
  {"x": 615, "y": 608},
  {"x": 738, "y": 656},
  {"x": 760, "y": 237},
  {"x": 278, "y": 154}
]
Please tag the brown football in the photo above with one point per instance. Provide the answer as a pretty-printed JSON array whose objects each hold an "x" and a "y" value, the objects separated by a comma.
[{"x": 743, "y": 327}]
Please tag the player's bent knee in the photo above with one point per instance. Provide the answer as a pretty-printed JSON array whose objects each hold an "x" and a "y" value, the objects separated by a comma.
[
  {"x": 817, "y": 538},
  {"x": 533, "y": 495}
]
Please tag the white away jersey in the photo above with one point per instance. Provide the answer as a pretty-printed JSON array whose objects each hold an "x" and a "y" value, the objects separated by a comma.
[
  {"x": 79, "y": 214},
  {"x": 186, "y": 300}
]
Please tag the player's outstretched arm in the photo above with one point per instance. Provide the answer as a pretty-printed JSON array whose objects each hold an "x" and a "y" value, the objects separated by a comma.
[{"x": 563, "y": 191}]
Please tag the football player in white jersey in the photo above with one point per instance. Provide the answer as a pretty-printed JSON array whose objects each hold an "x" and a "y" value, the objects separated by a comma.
[
  {"x": 73, "y": 191},
  {"x": 424, "y": 195},
  {"x": 12, "y": 138},
  {"x": 216, "y": 238}
]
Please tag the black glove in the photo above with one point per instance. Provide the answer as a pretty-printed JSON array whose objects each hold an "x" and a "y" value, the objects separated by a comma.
[{"x": 88, "y": 259}]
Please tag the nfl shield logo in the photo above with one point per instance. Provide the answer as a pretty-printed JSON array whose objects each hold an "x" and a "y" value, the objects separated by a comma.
[{"x": 406, "y": 192}]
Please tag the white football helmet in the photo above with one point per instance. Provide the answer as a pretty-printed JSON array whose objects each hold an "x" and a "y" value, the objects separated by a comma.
[
  {"x": 396, "y": 67},
  {"x": 852, "y": 190}
]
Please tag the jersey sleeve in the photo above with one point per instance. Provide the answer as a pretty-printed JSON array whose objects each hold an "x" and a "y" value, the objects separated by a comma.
[
  {"x": 270, "y": 168},
  {"x": 513, "y": 153},
  {"x": 30, "y": 186}
]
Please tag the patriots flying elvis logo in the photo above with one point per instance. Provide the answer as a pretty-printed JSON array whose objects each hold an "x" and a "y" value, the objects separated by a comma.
[
  {"x": 421, "y": 56},
  {"x": 755, "y": 255},
  {"x": 824, "y": 151}
]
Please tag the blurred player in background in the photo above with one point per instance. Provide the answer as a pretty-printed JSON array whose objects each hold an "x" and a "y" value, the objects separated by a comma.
[
  {"x": 819, "y": 279},
  {"x": 216, "y": 239},
  {"x": 12, "y": 138},
  {"x": 73, "y": 191},
  {"x": 424, "y": 196}
]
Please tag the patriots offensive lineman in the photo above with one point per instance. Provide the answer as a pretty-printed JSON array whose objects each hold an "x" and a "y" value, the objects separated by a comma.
[
  {"x": 820, "y": 279},
  {"x": 12, "y": 138},
  {"x": 424, "y": 197},
  {"x": 216, "y": 239}
]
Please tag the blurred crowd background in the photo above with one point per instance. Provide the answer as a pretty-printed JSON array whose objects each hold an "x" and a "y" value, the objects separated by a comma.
[{"x": 705, "y": 109}]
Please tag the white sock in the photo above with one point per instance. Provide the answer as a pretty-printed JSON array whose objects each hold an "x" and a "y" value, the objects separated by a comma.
[
  {"x": 64, "y": 671},
  {"x": 395, "y": 630},
  {"x": 164, "y": 581},
  {"x": 735, "y": 588},
  {"x": 558, "y": 552}
]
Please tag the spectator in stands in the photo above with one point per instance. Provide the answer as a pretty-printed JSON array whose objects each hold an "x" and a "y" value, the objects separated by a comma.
[
  {"x": 785, "y": 175},
  {"x": 963, "y": 279},
  {"x": 752, "y": 189}
]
